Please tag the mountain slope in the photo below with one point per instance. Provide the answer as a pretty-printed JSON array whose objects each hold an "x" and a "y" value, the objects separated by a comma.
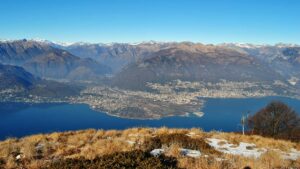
[
  {"x": 195, "y": 63},
  {"x": 115, "y": 55},
  {"x": 156, "y": 62},
  {"x": 46, "y": 61},
  {"x": 15, "y": 77},
  {"x": 119, "y": 55},
  {"x": 283, "y": 58},
  {"x": 16, "y": 80}
]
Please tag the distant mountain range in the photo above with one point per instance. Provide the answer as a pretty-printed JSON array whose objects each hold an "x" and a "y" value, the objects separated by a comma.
[
  {"x": 115, "y": 55},
  {"x": 133, "y": 65},
  {"x": 283, "y": 58}
]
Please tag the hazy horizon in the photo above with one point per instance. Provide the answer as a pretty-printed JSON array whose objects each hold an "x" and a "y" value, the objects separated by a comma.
[{"x": 143, "y": 41}]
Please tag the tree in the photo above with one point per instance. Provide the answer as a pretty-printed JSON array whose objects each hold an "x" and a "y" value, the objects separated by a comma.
[{"x": 275, "y": 120}]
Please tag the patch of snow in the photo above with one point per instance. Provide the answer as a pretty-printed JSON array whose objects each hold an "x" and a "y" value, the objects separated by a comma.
[
  {"x": 48, "y": 42},
  {"x": 220, "y": 159},
  {"x": 292, "y": 155},
  {"x": 66, "y": 44},
  {"x": 157, "y": 152},
  {"x": 243, "y": 45},
  {"x": 7, "y": 40},
  {"x": 243, "y": 149},
  {"x": 134, "y": 135},
  {"x": 284, "y": 45},
  {"x": 40, "y": 146},
  {"x": 130, "y": 142},
  {"x": 190, "y": 134},
  {"x": 18, "y": 157},
  {"x": 190, "y": 153},
  {"x": 248, "y": 149},
  {"x": 183, "y": 151}
]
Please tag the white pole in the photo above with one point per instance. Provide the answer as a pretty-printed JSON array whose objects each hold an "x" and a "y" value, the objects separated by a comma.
[
  {"x": 243, "y": 123},
  {"x": 243, "y": 129}
]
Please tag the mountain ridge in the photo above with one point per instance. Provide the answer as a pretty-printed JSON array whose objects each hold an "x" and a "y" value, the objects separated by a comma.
[
  {"x": 202, "y": 63},
  {"x": 19, "y": 82},
  {"x": 279, "y": 61},
  {"x": 49, "y": 62}
]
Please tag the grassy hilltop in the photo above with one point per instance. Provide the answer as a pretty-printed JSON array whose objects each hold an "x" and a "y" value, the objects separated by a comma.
[{"x": 147, "y": 148}]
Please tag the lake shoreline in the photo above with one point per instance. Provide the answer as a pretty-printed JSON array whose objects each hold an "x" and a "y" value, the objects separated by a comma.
[{"x": 219, "y": 114}]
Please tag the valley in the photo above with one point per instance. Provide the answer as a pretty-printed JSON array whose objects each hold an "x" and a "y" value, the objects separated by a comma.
[
  {"x": 148, "y": 80},
  {"x": 176, "y": 98}
]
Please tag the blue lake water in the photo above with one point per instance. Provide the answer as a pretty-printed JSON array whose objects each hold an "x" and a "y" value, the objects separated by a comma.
[{"x": 17, "y": 119}]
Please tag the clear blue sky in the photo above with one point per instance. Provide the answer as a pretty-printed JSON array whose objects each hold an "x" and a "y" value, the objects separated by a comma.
[{"x": 207, "y": 21}]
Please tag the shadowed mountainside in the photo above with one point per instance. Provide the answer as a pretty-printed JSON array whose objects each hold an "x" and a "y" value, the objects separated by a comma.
[
  {"x": 46, "y": 61},
  {"x": 17, "y": 79},
  {"x": 116, "y": 55}
]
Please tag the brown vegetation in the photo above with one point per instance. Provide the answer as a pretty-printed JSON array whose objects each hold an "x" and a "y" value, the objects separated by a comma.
[
  {"x": 130, "y": 160},
  {"x": 276, "y": 120},
  {"x": 91, "y": 148},
  {"x": 180, "y": 140}
]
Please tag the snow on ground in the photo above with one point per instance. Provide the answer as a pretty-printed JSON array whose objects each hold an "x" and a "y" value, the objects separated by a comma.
[
  {"x": 191, "y": 134},
  {"x": 183, "y": 151},
  {"x": 18, "y": 157},
  {"x": 292, "y": 155},
  {"x": 157, "y": 152},
  {"x": 135, "y": 135},
  {"x": 243, "y": 149},
  {"x": 130, "y": 142},
  {"x": 190, "y": 153},
  {"x": 248, "y": 149}
]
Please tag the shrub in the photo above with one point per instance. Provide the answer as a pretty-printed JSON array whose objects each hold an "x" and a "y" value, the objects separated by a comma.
[
  {"x": 276, "y": 120},
  {"x": 131, "y": 160},
  {"x": 2, "y": 163}
]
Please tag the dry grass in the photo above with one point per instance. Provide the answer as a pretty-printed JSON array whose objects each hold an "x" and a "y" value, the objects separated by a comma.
[
  {"x": 174, "y": 150},
  {"x": 28, "y": 149},
  {"x": 261, "y": 142},
  {"x": 41, "y": 150},
  {"x": 178, "y": 139},
  {"x": 270, "y": 160},
  {"x": 273, "y": 159},
  {"x": 202, "y": 163},
  {"x": 132, "y": 159}
]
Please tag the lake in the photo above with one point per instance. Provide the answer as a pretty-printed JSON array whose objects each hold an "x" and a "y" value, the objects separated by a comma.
[{"x": 18, "y": 119}]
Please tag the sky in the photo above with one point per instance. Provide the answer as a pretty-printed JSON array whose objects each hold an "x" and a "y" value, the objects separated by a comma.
[{"x": 205, "y": 21}]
